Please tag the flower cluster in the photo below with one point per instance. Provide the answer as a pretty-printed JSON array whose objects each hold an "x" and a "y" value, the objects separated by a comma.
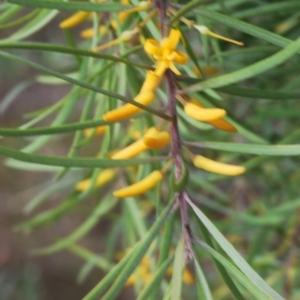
[{"x": 165, "y": 56}]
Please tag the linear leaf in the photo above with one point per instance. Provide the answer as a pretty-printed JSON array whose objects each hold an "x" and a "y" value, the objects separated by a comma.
[
  {"x": 72, "y": 5},
  {"x": 248, "y": 72},
  {"x": 270, "y": 150},
  {"x": 82, "y": 84},
  {"x": 104, "y": 206},
  {"x": 268, "y": 8},
  {"x": 256, "y": 93},
  {"x": 236, "y": 273},
  {"x": 51, "y": 130},
  {"x": 156, "y": 281},
  {"x": 67, "y": 50},
  {"x": 233, "y": 254},
  {"x": 177, "y": 270},
  {"x": 131, "y": 262},
  {"x": 202, "y": 280},
  {"x": 244, "y": 27},
  {"x": 82, "y": 162}
]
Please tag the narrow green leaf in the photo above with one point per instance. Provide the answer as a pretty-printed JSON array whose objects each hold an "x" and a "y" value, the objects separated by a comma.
[
  {"x": 82, "y": 84},
  {"x": 238, "y": 275},
  {"x": 125, "y": 269},
  {"x": 233, "y": 254},
  {"x": 248, "y": 28},
  {"x": 202, "y": 280},
  {"x": 247, "y": 72},
  {"x": 268, "y": 9},
  {"x": 51, "y": 130},
  {"x": 177, "y": 270},
  {"x": 226, "y": 277},
  {"x": 104, "y": 206},
  {"x": 72, "y": 5},
  {"x": 68, "y": 50},
  {"x": 97, "y": 260},
  {"x": 156, "y": 281},
  {"x": 38, "y": 22},
  {"x": 269, "y": 150},
  {"x": 9, "y": 13},
  {"x": 76, "y": 162},
  {"x": 50, "y": 215},
  {"x": 259, "y": 94}
]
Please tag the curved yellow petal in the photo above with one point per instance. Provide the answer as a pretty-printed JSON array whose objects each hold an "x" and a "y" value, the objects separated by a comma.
[
  {"x": 155, "y": 139},
  {"x": 178, "y": 57},
  {"x": 152, "y": 47},
  {"x": 128, "y": 109},
  {"x": 140, "y": 187},
  {"x": 217, "y": 167},
  {"x": 203, "y": 114},
  {"x": 74, "y": 20},
  {"x": 172, "y": 40}
]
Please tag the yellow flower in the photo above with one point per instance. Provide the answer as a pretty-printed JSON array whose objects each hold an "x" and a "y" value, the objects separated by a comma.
[
  {"x": 218, "y": 123},
  {"x": 203, "y": 114},
  {"x": 129, "y": 109},
  {"x": 141, "y": 186},
  {"x": 103, "y": 177},
  {"x": 89, "y": 32},
  {"x": 217, "y": 167},
  {"x": 97, "y": 131},
  {"x": 165, "y": 54},
  {"x": 131, "y": 150},
  {"x": 155, "y": 139},
  {"x": 74, "y": 20}
]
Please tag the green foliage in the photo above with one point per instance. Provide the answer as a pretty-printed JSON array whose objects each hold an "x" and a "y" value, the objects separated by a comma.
[{"x": 195, "y": 235}]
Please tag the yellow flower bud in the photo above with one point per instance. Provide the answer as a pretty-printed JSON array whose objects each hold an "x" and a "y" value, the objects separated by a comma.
[
  {"x": 218, "y": 123},
  {"x": 217, "y": 167},
  {"x": 203, "y": 114},
  {"x": 89, "y": 33},
  {"x": 131, "y": 150},
  {"x": 103, "y": 177},
  {"x": 74, "y": 20},
  {"x": 98, "y": 131},
  {"x": 155, "y": 139},
  {"x": 128, "y": 109},
  {"x": 140, "y": 187}
]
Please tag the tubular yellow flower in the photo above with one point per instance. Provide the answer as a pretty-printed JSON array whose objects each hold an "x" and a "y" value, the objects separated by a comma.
[
  {"x": 74, "y": 20},
  {"x": 103, "y": 177},
  {"x": 131, "y": 150},
  {"x": 151, "y": 82},
  {"x": 155, "y": 139},
  {"x": 140, "y": 187},
  {"x": 128, "y": 109},
  {"x": 203, "y": 114},
  {"x": 89, "y": 33},
  {"x": 98, "y": 131},
  {"x": 165, "y": 54},
  {"x": 218, "y": 123},
  {"x": 217, "y": 167}
]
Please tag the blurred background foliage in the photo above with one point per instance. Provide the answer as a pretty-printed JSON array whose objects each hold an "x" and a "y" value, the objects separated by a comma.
[{"x": 257, "y": 212}]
